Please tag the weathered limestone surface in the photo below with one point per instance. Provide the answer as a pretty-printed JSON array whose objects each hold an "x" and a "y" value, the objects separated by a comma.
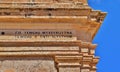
[
  {"x": 69, "y": 69},
  {"x": 27, "y": 65},
  {"x": 48, "y": 36}
]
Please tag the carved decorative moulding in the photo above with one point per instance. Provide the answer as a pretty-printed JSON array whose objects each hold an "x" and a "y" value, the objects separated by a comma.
[{"x": 48, "y": 36}]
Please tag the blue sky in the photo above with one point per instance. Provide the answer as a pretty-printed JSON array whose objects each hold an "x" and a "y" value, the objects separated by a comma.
[{"x": 108, "y": 37}]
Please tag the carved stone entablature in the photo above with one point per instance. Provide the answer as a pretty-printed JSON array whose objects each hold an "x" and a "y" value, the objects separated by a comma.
[
  {"x": 66, "y": 55},
  {"x": 97, "y": 16},
  {"x": 48, "y": 36},
  {"x": 42, "y": 1}
]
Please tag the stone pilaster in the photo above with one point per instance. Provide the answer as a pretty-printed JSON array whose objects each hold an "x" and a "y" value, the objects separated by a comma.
[{"x": 68, "y": 63}]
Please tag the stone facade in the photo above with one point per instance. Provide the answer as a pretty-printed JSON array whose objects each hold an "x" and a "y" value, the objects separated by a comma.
[{"x": 48, "y": 36}]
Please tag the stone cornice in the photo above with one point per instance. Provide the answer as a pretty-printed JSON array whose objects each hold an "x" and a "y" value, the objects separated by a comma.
[
  {"x": 46, "y": 43},
  {"x": 77, "y": 5}
]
